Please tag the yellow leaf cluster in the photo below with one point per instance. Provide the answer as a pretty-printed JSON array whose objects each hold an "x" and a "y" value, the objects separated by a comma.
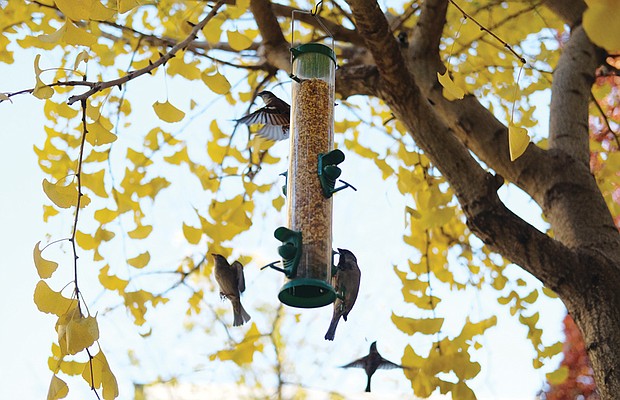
[
  {"x": 76, "y": 332},
  {"x": 243, "y": 353}
]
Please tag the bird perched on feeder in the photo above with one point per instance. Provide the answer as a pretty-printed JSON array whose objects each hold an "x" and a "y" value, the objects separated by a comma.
[
  {"x": 275, "y": 115},
  {"x": 232, "y": 283},
  {"x": 347, "y": 284},
  {"x": 371, "y": 363}
]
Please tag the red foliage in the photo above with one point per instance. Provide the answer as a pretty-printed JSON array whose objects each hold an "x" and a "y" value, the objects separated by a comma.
[{"x": 580, "y": 383}]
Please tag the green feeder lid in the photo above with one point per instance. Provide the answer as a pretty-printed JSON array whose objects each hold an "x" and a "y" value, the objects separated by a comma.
[
  {"x": 307, "y": 293},
  {"x": 313, "y": 48}
]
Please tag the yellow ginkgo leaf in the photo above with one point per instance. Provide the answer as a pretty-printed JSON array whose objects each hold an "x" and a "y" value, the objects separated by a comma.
[
  {"x": 127, "y": 5},
  {"x": 70, "y": 34},
  {"x": 58, "y": 389},
  {"x": 84, "y": 10},
  {"x": 238, "y": 41},
  {"x": 77, "y": 36},
  {"x": 81, "y": 333},
  {"x": 216, "y": 82},
  {"x": 4, "y": 97},
  {"x": 243, "y": 353},
  {"x": 99, "y": 374},
  {"x": 167, "y": 112},
  {"x": 558, "y": 376},
  {"x": 54, "y": 37},
  {"x": 98, "y": 135},
  {"x": 105, "y": 215},
  {"x": 410, "y": 326},
  {"x": 62, "y": 196},
  {"x": 45, "y": 268},
  {"x": 111, "y": 282},
  {"x": 600, "y": 21},
  {"x": 213, "y": 30},
  {"x": 50, "y": 302},
  {"x": 41, "y": 90},
  {"x": 450, "y": 90},
  {"x": 140, "y": 261},
  {"x": 192, "y": 234},
  {"x": 141, "y": 232},
  {"x": 518, "y": 140},
  {"x": 82, "y": 56}
]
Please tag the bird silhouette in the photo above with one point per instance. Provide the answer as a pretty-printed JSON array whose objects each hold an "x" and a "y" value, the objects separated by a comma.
[
  {"x": 232, "y": 283},
  {"x": 275, "y": 116},
  {"x": 347, "y": 283},
  {"x": 371, "y": 363}
]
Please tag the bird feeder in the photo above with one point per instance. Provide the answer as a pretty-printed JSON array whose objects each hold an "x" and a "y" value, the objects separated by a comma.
[{"x": 306, "y": 248}]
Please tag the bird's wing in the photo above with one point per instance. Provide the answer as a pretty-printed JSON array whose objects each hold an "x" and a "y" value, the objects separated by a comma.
[
  {"x": 240, "y": 278},
  {"x": 274, "y": 132},
  {"x": 385, "y": 364},
  {"x": 356, "y": 364},
  {"x": 267, "y": 116}
]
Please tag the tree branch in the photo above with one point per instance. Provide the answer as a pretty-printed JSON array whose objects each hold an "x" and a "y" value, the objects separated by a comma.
[
  {"x": 357, "y": 79},
  {"x": 99, "y": 86},
  {"x": 428, "y": 30},
  {"x": 475, "y": 189},
  {"x": 338, "y": 31},
  {"x": 274, "y": 48},
  {"x": 572, "y": 83}
]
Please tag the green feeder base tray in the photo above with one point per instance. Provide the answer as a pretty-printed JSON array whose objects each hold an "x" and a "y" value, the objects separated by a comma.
[{"x": 307, "y": 293}]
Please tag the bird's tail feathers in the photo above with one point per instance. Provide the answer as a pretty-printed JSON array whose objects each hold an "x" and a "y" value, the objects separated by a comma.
[
  {"x": 240, "y": 315},
  {"x": 331, "y": 331}
]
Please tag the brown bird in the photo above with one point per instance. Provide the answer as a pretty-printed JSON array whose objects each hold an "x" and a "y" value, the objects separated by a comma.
[
  {"x": 371, "y": 363},
  {"x": 347, "y": 283},
  {"x": 275, "y": 116},
  {"x": 232, "y": 283}
]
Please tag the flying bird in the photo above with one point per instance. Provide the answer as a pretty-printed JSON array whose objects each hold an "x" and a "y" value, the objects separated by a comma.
[
  {"x": 275, "y": 116},
  {"x": 347, "y": 283},
  {"x": 371, "y": 363},
  {"x": 232, "y": 283}
]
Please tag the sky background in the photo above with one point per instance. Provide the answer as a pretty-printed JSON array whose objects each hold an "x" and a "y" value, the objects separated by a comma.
[{"x": 370, "y": 222}]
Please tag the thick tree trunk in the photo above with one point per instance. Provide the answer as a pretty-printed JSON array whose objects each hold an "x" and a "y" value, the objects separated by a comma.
[{"x": 593, "y": 301}]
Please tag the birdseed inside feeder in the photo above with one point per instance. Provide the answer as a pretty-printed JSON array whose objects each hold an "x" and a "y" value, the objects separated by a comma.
[{"x": 309, "y": 210}]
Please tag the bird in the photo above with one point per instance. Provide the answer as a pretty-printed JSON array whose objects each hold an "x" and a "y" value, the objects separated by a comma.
[
  {"x": 371, "y": 363},
  {"x": 346, "y": 283},
  {"x": 232, "y": 283},
  {"x": 275, "y": 115}
]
